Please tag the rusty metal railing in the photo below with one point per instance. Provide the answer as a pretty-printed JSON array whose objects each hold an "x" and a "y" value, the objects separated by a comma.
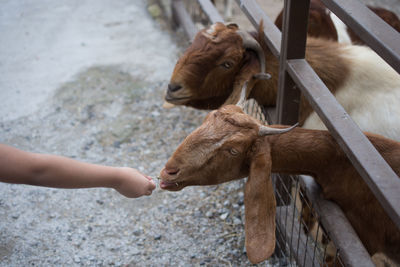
[
  {"x": 296, "y": 78},
  {"x": 368, "y": 162}
]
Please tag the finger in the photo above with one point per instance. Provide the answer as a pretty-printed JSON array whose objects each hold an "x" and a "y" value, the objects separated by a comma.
[{"x": 152, "y": 185}]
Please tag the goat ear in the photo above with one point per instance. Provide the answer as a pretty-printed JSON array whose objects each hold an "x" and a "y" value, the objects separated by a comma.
[{"x": 260, "y": 210}]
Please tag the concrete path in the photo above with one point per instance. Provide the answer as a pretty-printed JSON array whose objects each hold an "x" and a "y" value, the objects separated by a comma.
[{"x": 44, "y": 43}]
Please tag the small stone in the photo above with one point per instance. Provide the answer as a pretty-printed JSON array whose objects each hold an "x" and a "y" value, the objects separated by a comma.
[
  {"x": 157, "y": 237},
  {"x": 224, "y": 216},
  {"x": 135, "y": 251},
  {"x": 138, "y": 232},
  {"x": 77, "y": 259},
  {"x": 198, "y": 213},
  {"x": 237, "y": 221},
  {"x": 117, "y": 144},
  {"x": 100, "y": 202},
  {"x": 15, "y": 216},
  {"x": 236, "y": 253},
  {"x": 241, "y": 201},
  {"x": 154, "y": 10},
  {"x": 155, "y": 113},
  {"x": 209, "y": 214},
  {"x": 222, "y": 211}
]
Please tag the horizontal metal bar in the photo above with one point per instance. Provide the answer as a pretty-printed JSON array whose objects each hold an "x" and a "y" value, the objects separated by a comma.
[
  {"x": 381, "y": 37},
  {"x": 184, "y": 19},
  {"x": 255, "y": 14},
  {"x": 378, "y": 175},
  {"x": 211, "y": 11},
  {"x": 352, "y": 251}
]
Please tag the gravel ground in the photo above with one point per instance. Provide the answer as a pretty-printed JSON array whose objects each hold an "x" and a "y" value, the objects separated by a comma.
[
  {"x": 107, "y": 116},
  {"x": 109, "y": 112}
]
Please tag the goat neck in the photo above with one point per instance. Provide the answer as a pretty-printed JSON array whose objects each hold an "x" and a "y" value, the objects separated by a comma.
[
  {"x": 304, "y": 151},
  {"x": 314, "y": 152}
]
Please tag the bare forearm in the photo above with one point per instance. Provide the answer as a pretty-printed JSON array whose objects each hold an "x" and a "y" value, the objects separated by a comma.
[
  {"x": 18, "y": 166},
  {"x": 68, "y": 173}
]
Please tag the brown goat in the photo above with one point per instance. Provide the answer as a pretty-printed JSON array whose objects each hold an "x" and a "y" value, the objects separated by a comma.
[
  {"x": 322, "y": 23},
  {"x": 217, "y": 64},
  {"x": 231, "y": 145},
  {"x": 214, "y": 68}
]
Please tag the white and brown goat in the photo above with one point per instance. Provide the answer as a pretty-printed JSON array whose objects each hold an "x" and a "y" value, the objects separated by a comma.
[
  {"x": 322, "y": 23},
  {"x": 231, "y": 145},
  {"x": 221, "y": 58}
]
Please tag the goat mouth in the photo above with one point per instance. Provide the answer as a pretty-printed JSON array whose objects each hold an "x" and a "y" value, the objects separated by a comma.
[
  {"x": 176, "y": 100},
  {"x": 171, "y": 186}
]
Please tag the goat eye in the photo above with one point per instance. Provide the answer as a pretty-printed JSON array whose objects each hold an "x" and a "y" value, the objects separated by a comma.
[
  {"x": 233, "y": 151},
  {"x": 227, "y": 65}
]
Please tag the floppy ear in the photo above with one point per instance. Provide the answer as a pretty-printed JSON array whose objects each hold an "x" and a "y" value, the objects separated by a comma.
[{"x": 260, "y": 209}]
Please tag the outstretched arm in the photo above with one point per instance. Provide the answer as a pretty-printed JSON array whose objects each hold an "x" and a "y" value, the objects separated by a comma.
[{"x": 20, "y": 167}]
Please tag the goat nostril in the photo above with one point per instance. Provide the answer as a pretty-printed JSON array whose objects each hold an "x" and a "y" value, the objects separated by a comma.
[
  {"x": 174, "y": 87},
  {"x": 172, "y": 171}
]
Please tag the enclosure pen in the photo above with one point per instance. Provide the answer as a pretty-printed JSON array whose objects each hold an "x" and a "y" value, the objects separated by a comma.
[{"x": 312, "y": 231}]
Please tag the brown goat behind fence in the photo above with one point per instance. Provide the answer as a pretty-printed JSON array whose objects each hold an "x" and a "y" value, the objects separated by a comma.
[{"x": 301, "y": 236}]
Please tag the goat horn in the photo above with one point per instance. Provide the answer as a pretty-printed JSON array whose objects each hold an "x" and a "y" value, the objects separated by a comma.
[
  {"x": 265, "y": 130},
  {"x": 250, "y": 43},
  {"x": 243, "y": 95}
]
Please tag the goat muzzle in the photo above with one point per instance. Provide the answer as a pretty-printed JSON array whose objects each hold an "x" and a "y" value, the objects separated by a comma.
[{"x": 177, "y": 94}]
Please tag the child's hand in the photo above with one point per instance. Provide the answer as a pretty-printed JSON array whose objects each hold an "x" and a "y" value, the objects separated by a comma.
[{"x": 133, "y": 183}]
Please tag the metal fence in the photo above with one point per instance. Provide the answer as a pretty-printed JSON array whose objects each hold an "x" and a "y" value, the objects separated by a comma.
[{"x": 304, "y": 219}]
